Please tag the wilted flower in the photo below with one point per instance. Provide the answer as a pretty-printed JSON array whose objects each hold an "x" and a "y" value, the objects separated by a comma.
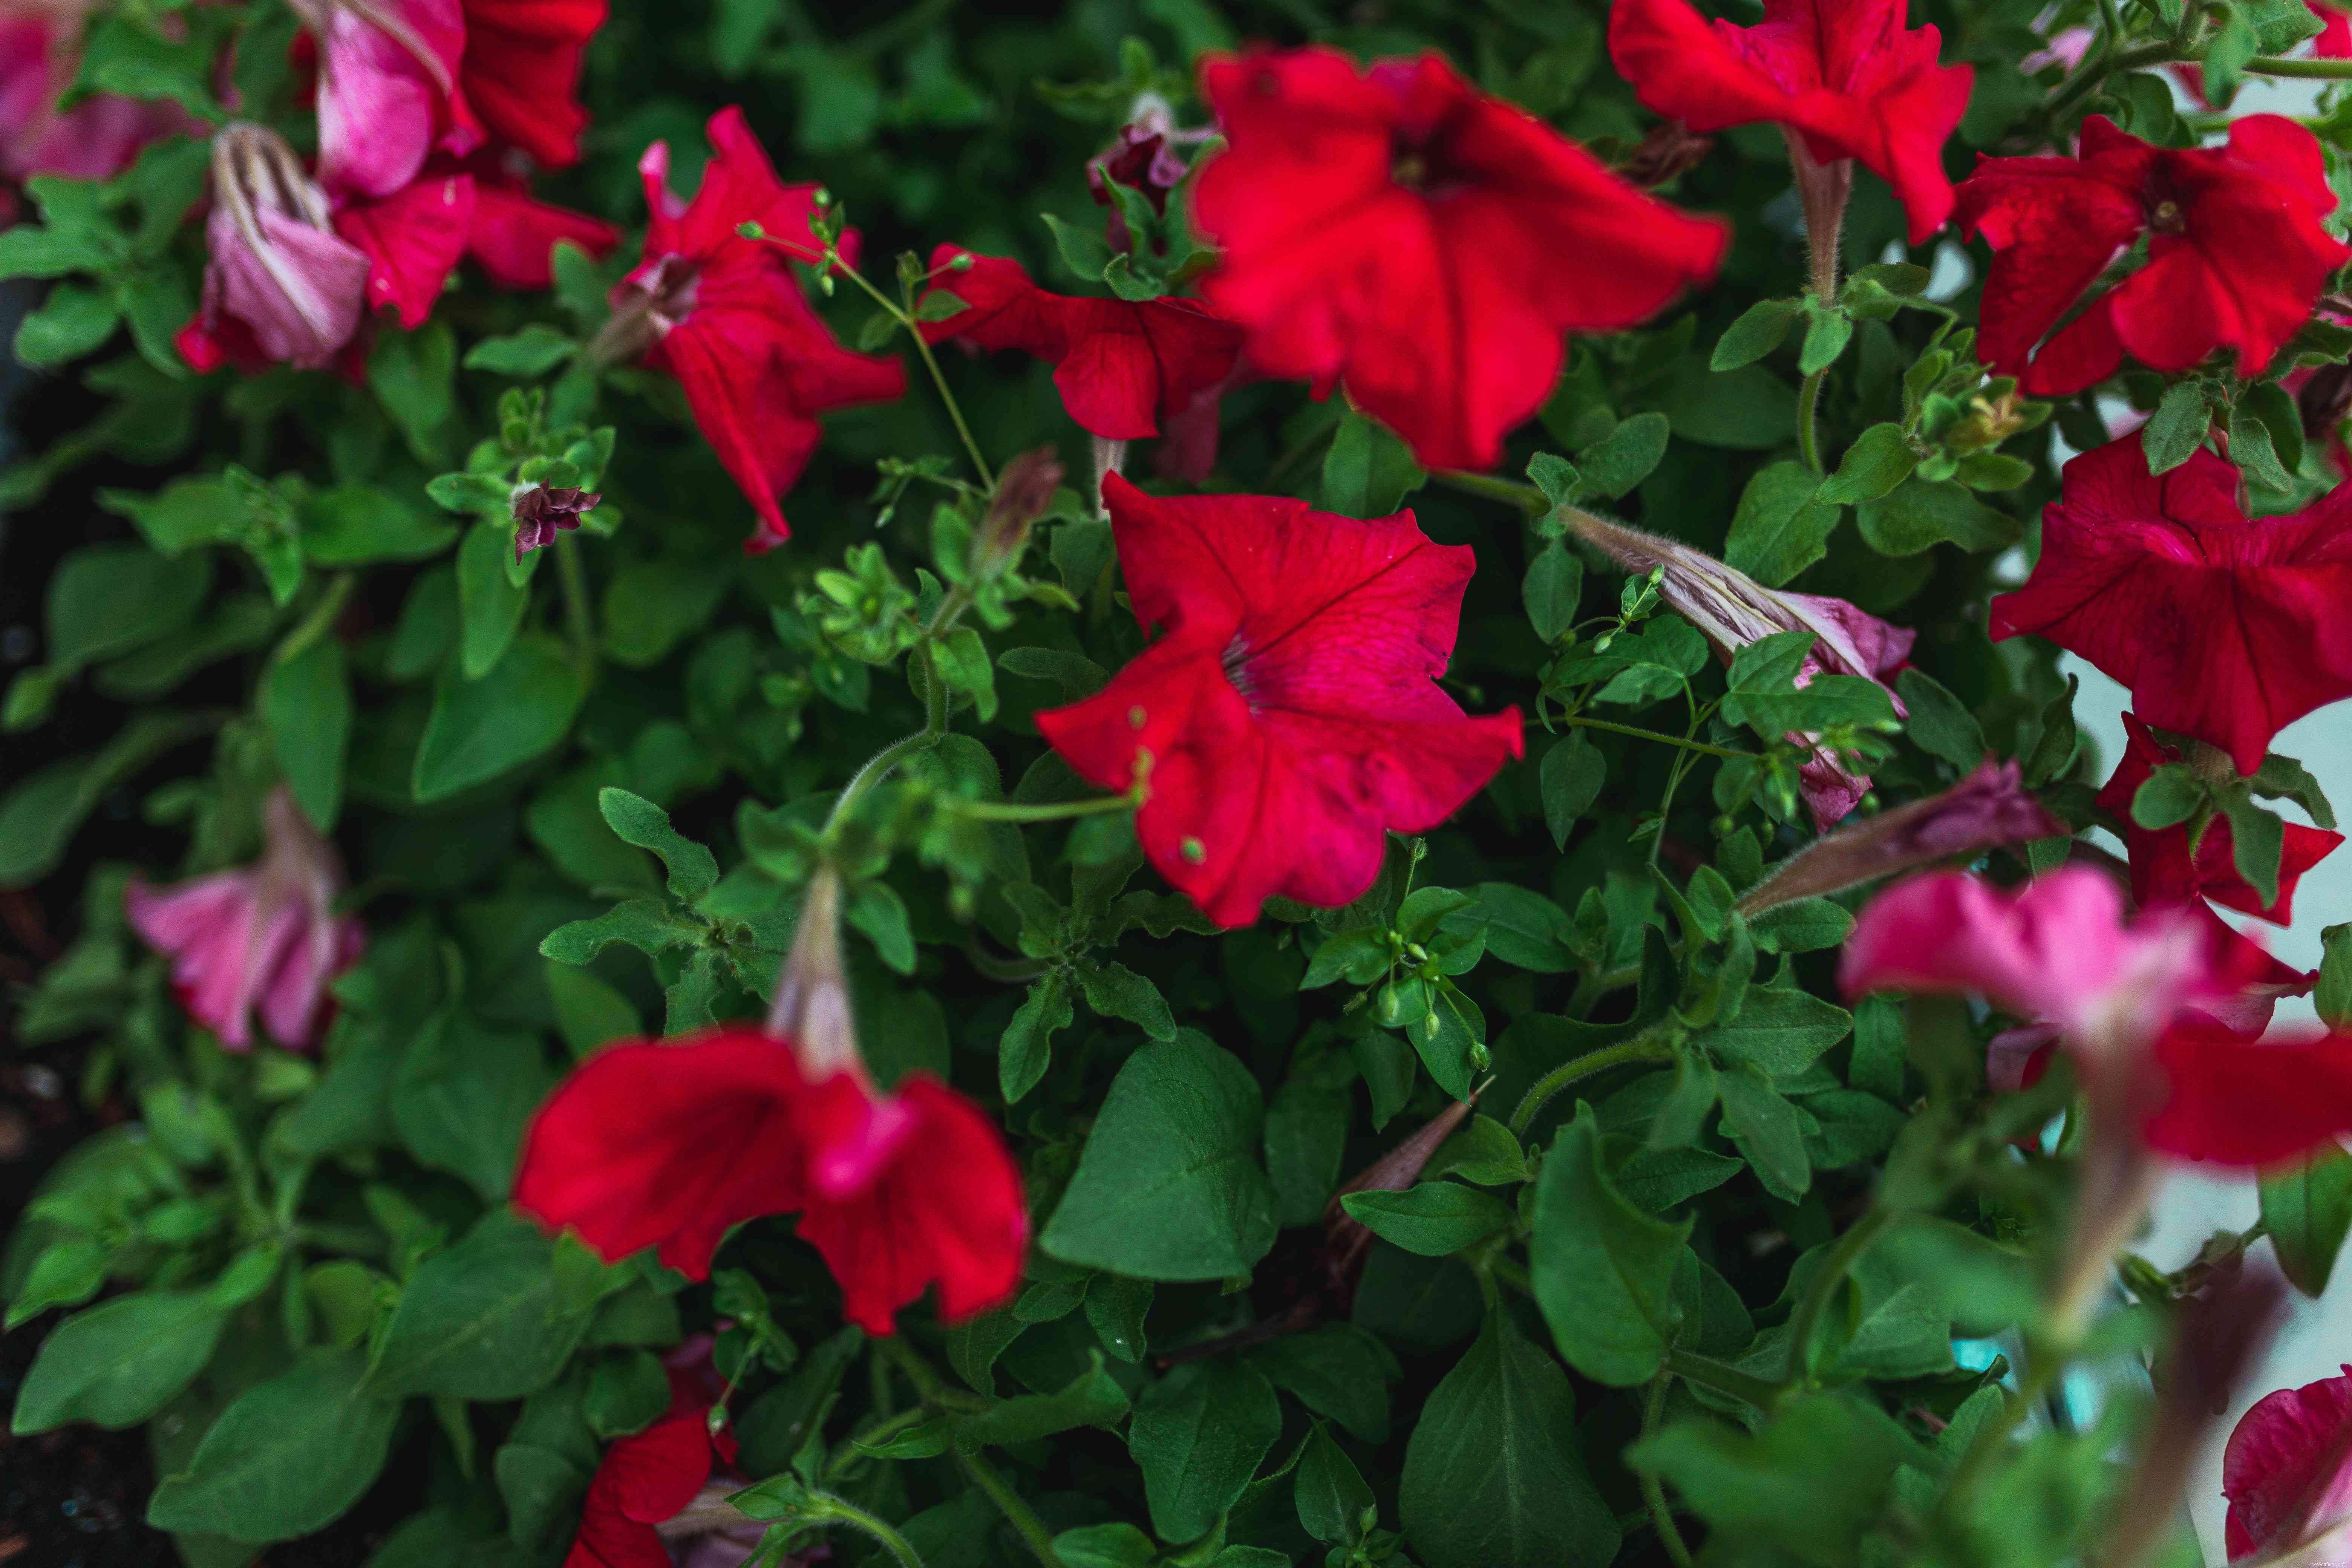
[
  {"x": 1023, "y": 491},
  {"x": 2287, "y": 1473},
  {"x": 1732, "y": 610},
  {"x": 541, "y": 511},
  {"x": 264, "y": 939},
  {"x": 1986, "y": 810},
  {"x": 1142, "y": 157},
  {"x": 281, "y": 284}
]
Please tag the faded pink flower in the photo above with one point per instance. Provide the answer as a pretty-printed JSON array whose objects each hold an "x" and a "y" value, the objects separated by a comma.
[
  {"x": 281, "y": 285},
  {"x": 386, "y": 71},
  {"x": 263, "y": 938},
  {"x": 96, "y": 139},
  {"x": 1731, "y": 610},
  {"x": 2287, "y": 1473}
]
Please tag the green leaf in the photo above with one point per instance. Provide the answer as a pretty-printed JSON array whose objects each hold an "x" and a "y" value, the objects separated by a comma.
[
  {"x": 1917, "y": 516},
  {"x": 106, "y": 599},
  {"x": 1554, "y": 583},
  {"x": 1941, "y": 723},
  {"x": 646, "y": 925},
  {"x": 1114, "y": 991},
  {"x": 1769, "y": 1131},
  {"x": 490, "y": 602},
  {"x": 2332, "y": 997},
  {"x": 73, "y": 321},
  {"x": 1805, "y": 925},
  {"x": 693, "y": 870},
  {"x": 2308, "y": 1209},
  {"x": 462, "y": 1095},
  {"x": 1880, "y": 459},
  {"x": 1781, "y": 527},
  {"x": 1809, "y": 1484},
  {"x": 1760, "y": 328},
  {"x": 1494, "y": 1474},
  {"x": 1168, "y": 1185},
  {"x": 1105, "y": 1546},
  {"x": 1603, "y": 1270},
  {"x": 1027, "y": 1046},
  {"x": 2251, "y": 450},
  {"x": 1094, "y": 1398},
  {"x": 1198, "y": 1435},
  {"x": 287, "y": 1458},
  {"x": 2177, "y": 428},
  {"x": 1569, "y": 779},
  {"x": 2225, "y": 62},
  {"x": 1340, "y": 1369},
  {"x": 121, "y": 1362},
  {"x": 1826, "y": 335},
  {"x": 1367, "y": 471},
  {"x": 1656, "y": 1179},
  {"x": 479, "y": 730},
  {"x": 306, "y": 708},
  {"x": 1083, "y": 250},
  {"x": 2257, "y": 842},
  {"x": 493, "y": 1317},
  {"x": 38, "y": 819},
  {"x": 1432, "y": 1218},
  {"x": 360, "y": 525},
  {"x": 524, "y": 355},
  {"x": 1482, "y": 1150},
  {"x": 1625, "y": 457},
  {"x": 1330, "y": 1494},
  {"x": 414, "y": 377},
  {"x": 2168, "y": 795}
]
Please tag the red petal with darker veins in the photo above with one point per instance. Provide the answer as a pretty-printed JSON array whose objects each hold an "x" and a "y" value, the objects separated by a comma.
[{"x": 412, "y": 238}]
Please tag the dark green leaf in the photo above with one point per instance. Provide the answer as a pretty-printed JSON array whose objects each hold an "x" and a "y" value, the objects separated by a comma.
[
  {"x": 119, "y": 1362},
  {"x": 1603, "y": 1270},
  {"x": 1367, "y": 471},
  {"x": 286, "y": 1458},
  {"x": 1939, "y": 723},
  {"x": 481, "y": 728},
  {"x": 1432, "y": 1218},
  {"x": 1781, "y": 527},
  {"x": 2308, "y": 1209},
  {"x": 1198, "y": 1435}
]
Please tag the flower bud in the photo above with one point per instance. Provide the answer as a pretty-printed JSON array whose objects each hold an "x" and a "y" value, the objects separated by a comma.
[
  {"x": 541, "y": 511},
  {"x": 811, "y": 1011},
  {"x": 281, "y": 285},
  {"x": 1023, "y": 491}
]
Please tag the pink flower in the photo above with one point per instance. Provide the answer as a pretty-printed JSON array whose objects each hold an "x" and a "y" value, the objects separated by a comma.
[
  {"x": 281, "y": 285},
  {"x": 1288, "y": 716},
  {"x": 265, "y": 938},
  {"x": 386, "y": 70},
  {"x": 2287, "y": 1473},
  {"x": 96, "y": 139}
]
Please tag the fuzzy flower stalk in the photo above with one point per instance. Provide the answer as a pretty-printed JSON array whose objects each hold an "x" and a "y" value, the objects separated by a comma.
[
  {"x": 1731, "y": 610},
  {"x": 264, "y": 939},
  {"x": 670, "y": 1145}
]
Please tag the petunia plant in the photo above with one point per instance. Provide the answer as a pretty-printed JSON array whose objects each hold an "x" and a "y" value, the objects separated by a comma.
[{"x": 1199, "y": 785}]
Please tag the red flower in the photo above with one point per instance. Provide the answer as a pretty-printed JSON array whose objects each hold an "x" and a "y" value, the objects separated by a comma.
[
  {"x": 1124, "y": 367},
  {"x": 2236, "y": 254},
  {"x": 2224, "y": 629},
  {"x": 521, "y": 72},
  {"x": 726, "y": 317},
  {"x": 2162, "y": 869},
  {"x": 1423, "y": 245},
  {"x": 412, "y": 238},
  {"x": 2232, "y": 1098},
  {"x": 1844, "y": 75},
  {"x": 644, "y": 1480},
  {"x": 1287, "y": 717},
  {"x": 2287, "y": 1472},
  {"x": 386, "y": 68},
  {"x": 514, "y": 237}
]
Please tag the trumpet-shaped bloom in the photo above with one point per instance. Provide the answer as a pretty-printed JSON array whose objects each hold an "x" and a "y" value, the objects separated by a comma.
[
  {"x": 519, "y": 75},
  {"x": 726, "y": 316},
  {"x": 263, "y": 939},
  {"x": 2236, "y": 257},
  {"x": 2287, "y": 1472},
  {"x": 280, "y": 284},
  {"x": 2163, "y": 869},
  {"x": 2224, "y": 627},
  {"x": 1288, "y": 716},
  {"x": 1397, "y": 232},
  {"x": 1844, "y": 75},
  {"x": 386, "y": 71},
  {"x": 646, "y": 1480},
  {"x": 2232, "y": 1098},
  {"x": 1124, "y": 367}
]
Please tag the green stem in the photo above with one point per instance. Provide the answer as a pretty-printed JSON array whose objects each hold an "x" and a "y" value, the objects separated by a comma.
[
  {"x": 2083, "y": 82},
  {"x": 877, "y": 768},
  {"x": 927, "y": 1381},
  {"x": 825, "y": 1506},
  {"x": 1527, "y": 497},
  {"x": 2323, "y": 71},
  {"x": 1809, "y": 441},
  {"x": 904, "y": 316},
  {"x": 319, "y": 620},
  {"x": 1825, "y": 1281},
  {"x": 1017, "y": 1513},
  {"x": 1709, "y": 1373},
  {"x": 577, "y": 620},
  {"x": 1654, "y": 1490},
  {"x": 1642, "y": 1048},
  {"x": 1009, "y": 811},
  {"x": 1658, "y": 735}
]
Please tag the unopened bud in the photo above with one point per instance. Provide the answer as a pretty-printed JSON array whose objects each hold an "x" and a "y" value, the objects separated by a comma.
[
  {"x": 750, "y": 229},
  {"x": 811, "y": 1012},
  {"x": 1023, "y": 491},
  {"x": 541, "y": 511}
]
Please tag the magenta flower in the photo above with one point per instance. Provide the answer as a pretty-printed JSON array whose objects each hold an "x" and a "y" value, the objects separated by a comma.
[
  {"x": 2287, "y": 1473},
  {"x": 386, "y": 70},
  {"x": 281, "y": 285},
  {"x": 263, "y": 938}
]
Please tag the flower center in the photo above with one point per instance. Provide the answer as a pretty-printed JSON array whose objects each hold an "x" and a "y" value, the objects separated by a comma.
[
  {"x": 2167, "y": 218},
  {"x": 1409, "y": 169},
  {"x": 1235, "y": 661}
]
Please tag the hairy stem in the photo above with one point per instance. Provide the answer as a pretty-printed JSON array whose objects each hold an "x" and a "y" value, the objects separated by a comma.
[
  {"x": 825, "y": 1506},
  {"x": 1685, "y": 742},
  {"x": 1017, "y": 1513},
  {"x": 1654, "y": 1490},
  {"x": 1527, "y": 497},
  {"x": 1809, "y": 440},
  {"x": 1642, "y": 1048}
]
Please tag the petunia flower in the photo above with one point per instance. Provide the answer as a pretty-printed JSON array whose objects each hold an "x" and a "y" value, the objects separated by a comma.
[
  {"x": 1288, "y": 717},
  {"x": 513, "y": 235},
  {"x": 518, "y": 77},
  {"x": 386, "y": 72},
  {"x": 2287, "y": 1472},
  {"x": 1125, "y": 368},
  {"x": 2223, "y": 627},
  {"x": 2236, "y": 254},
  {"x": 1732, "y": 610},
  {"x": 726, "y": 316},
  {"x": 1844, "y": 77},
  {"x": 542, "y": 511},
  {"x": 1423, "y": 246},
  {"x": 263, "y": 939},
  {"x": 280, "y": 285},
  {"x": 669, "y": 1145},
  {"x": 1987, "y": 810},
  {"x": 2164, "y": 870},
  {"x": 95, "y": 140},
  {"x": 653, "y": 1490},
  {"x": 413, "y": 239},
  {"x": 1142, "y": 157}
]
